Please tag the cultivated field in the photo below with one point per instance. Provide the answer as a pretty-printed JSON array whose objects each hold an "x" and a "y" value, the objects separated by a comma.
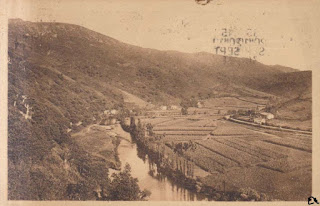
[{"x": 237, "y": 156}]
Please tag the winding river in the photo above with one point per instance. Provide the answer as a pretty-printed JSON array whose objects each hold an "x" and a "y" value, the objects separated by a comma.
[{"x": 160, "y": 186}]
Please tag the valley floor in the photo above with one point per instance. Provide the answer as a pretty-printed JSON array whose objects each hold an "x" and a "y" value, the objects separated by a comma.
[{"x": 276, "y": 163}]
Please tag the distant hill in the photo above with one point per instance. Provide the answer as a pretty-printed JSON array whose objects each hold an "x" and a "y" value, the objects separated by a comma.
[
  {"x": 292, "y": 84},
  {"x": 155, "y": 76},
  {"x": 285, "y": 69},
  {"x": 62, "y": 74}
]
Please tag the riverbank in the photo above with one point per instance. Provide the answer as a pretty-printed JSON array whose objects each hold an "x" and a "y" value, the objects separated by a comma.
[
  {"x": 180, "y": 170},
  {"x": 149, "y": 175},
  {"x": 168, "y": 175},
  {"x": 236, "y": 156},
  {"x": 101, "y": 142}
]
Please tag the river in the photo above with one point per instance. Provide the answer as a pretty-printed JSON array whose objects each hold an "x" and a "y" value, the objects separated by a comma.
[{"x": 161, "y": 188}]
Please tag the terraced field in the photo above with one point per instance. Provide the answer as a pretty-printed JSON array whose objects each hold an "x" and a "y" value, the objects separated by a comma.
[
  {"x": 233, "y": 152},
  {"x": 233, "y": 102}
]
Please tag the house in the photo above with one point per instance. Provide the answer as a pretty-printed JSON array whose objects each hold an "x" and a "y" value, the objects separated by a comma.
[
  {"x": 199, "y": 105},
  {"x": 267, "y": 115},
  {"x": 163, "y": 107},
  {"x": 114, "y": 111},
  {"x": 259, "y": 120},
  {"x": 79, "y": 123}
]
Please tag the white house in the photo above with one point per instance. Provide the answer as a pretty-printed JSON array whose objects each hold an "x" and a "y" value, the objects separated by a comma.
[
  {"x": 227, "y": 117},
  {"x": 79, "y": 123},
  {"x": 199, "y": 104},
  {"x": 114, "y": 111},
  {"x": 259, "y": 120},
  {"x": 267, "y": 115},
  {"x": 163, "y": 107}
]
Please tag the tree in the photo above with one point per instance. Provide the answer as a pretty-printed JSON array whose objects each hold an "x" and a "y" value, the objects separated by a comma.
[
  {"x": 140, "y": 130},
  {"x": 132, "y": 124},
  {"x": 125, "y": 187},
  {"x": 189, "y": 102},
  {"x": 150, "y": 129}
]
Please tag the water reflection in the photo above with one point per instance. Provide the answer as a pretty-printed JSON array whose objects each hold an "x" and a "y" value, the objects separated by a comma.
[{"x": 148, "y": 174}]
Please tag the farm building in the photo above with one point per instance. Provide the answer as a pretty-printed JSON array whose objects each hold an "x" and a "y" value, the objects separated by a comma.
[
  {"x": 200, "y": 104},
  {"x": 227, "y": 117},
  {"x": 259, "y": 120},
  {"x": 114, "y": 111},
  {"x": 267, "y": 115},
  {"x": 163, "y": 107}
]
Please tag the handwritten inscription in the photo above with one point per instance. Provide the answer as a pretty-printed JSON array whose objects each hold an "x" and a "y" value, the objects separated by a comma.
[{"x": 230, "y": 43}]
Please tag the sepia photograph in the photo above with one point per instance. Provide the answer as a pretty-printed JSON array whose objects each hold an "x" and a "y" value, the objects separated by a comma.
[{"x": 161, "y": 100}]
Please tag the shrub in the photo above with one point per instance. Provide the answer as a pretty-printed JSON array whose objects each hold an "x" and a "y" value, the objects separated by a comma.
[{"x": 124, "y": 187}]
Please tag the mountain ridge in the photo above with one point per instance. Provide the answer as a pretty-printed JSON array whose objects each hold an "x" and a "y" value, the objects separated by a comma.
[{"x": 167, "y": 64}]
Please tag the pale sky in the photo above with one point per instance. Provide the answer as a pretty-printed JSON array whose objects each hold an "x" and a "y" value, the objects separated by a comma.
[{"x": 290, "y": 28}]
